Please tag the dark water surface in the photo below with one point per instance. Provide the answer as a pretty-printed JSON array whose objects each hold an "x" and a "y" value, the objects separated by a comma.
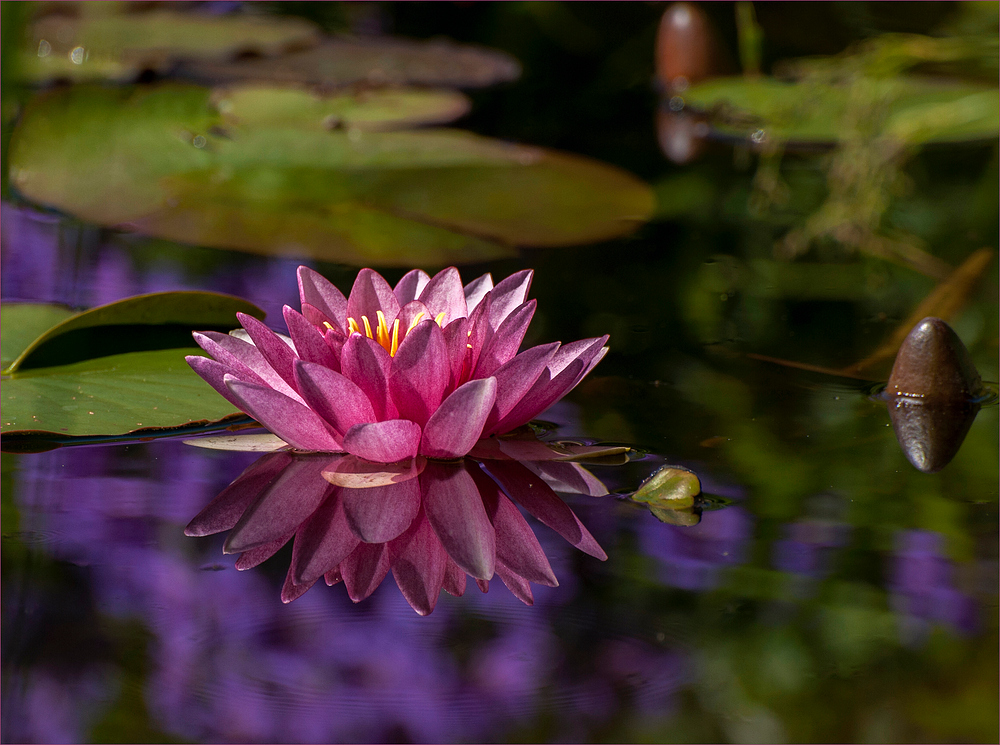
[{"x": 830, "y": 591}]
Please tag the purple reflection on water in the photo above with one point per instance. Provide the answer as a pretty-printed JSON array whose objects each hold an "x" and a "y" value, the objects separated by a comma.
[
  {"x": 807, "y": 547},
  {"x": 229, "y": 662},
  {"x": 922, "y": 585},
  {"x": 692, "y": 558}
]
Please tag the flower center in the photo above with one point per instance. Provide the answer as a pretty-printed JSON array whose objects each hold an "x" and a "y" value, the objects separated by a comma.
[{"x": 386, "y": 337}]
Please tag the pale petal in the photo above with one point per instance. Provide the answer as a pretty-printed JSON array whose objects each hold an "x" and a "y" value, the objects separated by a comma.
[
  {"x": 293, "y": 422},
  {"x": 454, "y": 428},
  {"x": 223, "y": 512},
  {"x": 445, "y": 294},
  {"x": 364, "y": 570},
  {"x": 541, "y": 502},
  {"x": 310, "y": 345},
  {"x": 418, "y": 565},
  {"x": 420, "y": 373},
  {"x": 476, "y": 290},
  {"x": 383, "y": 442},
  {"x": 371, "y": 293},
  {"x": 286, "y": 502},
  {"x": 455, "y": 511},
  {"x": 340, "y": 402},
  {"x": 322, "y": 541},
  {"x": 505, "y": 342},
  {"x": 261, "y": 443},
  {"x": 410, "y": 286},
  {"x": 319, "y": 292},
  {"x": 380, "y": 513},
  {"x": 365, "y": 363}
]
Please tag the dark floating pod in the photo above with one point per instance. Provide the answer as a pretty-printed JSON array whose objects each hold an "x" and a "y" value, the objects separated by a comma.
[{"x": 933, "y": 395}]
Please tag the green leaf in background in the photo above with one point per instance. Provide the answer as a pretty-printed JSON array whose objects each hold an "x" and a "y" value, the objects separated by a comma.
[
  {"x": 911, "y": 109},
  {"x": 105, "y": 43},
  {"x": 111, "y": 371},
  {"x": 25, "y": 322},
  {"x": 173, "y": 166},
  {"x": 382, "y": 109},
  {"x": 377, "y": 61}
]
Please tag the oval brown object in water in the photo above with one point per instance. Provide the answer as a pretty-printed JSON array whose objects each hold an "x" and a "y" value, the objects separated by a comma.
[
  {"x": 933, "y": 365},
  {"x": 684, "y": 47},
  {"x": 932, "y": 395}
]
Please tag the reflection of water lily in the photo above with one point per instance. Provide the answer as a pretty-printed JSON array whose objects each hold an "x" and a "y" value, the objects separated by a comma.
[
  {"x": 429, "y": 523},
  {"x": 427, "y": 368}
]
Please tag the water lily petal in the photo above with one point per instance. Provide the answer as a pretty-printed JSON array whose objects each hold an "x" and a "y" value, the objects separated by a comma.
[
  {"x": 517, "y": 547},
  {"x": 480, "y": 332},
  {"x": 458, "y": 423},
  {"x": 214, "y": 373},
  {"x": 256, "y": 556},
  {"x": 365, "y": 363},
  {"x": 291, "y": 591},
  {"x": 483, "y": 585},
  {"x": 456, "y": 340},
  {"x": 508, "y": 295},
  {"x": 333, "y": 577},
  {"x": 410, "y": 286},
  {"x": 290, "y": 420},
  {"x": 223, "y": 512},
  {"x": 370, "y": 294},
  {"x": 383, "y": 442},
  {"x": 454, "y": 579},
  {"x": 516, "y": 377},
  {"x": 476, "y": 290},
  {"x": 380, "y": 513},
  {"x": 283, "y": 506},
  {"x": 243, "y": 357},
  {"x": 541, "y": 502},
  {"x": 567, "y": 368},
  {"x": 418, "y": 565},
  {"x": 309, "y": 342},
  {"x": 455, "y": 511},
  {"x": 420, "y": 373},
  {"x": 278, "y": 354},
  {"x": 569, "y": 477},
  {"x": 322, "y": 541},
  {"x": 340, "y": 402},
  {"x": 319, "y": 292},
  {"x": 445, "y": 294},
  {"x": 411, "y": 313},
  {"x": 518, "y": 585},
  {"x": 364, "y": 570},
  {"x": 506, "y": 340}
]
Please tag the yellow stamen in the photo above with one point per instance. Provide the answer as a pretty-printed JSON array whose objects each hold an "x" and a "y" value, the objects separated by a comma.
[
  {"x": 440, "y": 317},
  {"x": 395, "y": 338},
  {"x": 368, "y": 327},
  {"x": 352, "y": 326},
  {"x": 415, "y": 321},
  {"x": 382, "y": 332},
  {"x": 327, "y": 324}
]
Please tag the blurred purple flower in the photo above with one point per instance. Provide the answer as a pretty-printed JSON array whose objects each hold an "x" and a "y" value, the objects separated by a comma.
[
  {"x": 429, "y": 523},
  {"x": 428, "y": 367}
]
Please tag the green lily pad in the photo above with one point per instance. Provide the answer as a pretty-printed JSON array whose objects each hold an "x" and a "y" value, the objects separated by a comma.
[
  {"x": 113, "y": 45},
  {"x": 87, "y": 376},
  {"x": 390, "y": 108},
  {"x": 911, "y": 109},
  {"x": 377, "y": 61},
  {"x": 173, "y": 166},
  {"x": 671, "y": 487},
  {"x": 23, "y": 323}
]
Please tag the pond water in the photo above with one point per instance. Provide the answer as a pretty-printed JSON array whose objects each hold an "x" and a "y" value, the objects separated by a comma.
[{"x": 823, "y": 590}]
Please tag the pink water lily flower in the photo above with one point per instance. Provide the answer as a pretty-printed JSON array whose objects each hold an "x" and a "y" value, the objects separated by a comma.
[{"x": 426, "y": 368}]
